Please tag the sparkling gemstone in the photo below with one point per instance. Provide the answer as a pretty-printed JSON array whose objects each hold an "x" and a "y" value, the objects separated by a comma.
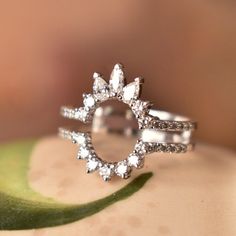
[
  {"x": 81, "y": 114},
  {"x": 131, "y": 91},
  {"x": 135, "y": 160},
  {"x": 77, "y": 114},
  {"x": 122, "y": 169},
  {"x": 100, "y": 87},
  {"x": 146, "y": 122},
  {"x": 140, "y": 107},
  {"x": 140, "y": 147},
  {"x": 106, "y": 171},
  {"x": 79, "y": 138},
  {"x": 117, "y": 79},
  {"x": 89, "y": 101},
  {"x": 83, "y": 153},
  {"x": 92, "y": 165}
]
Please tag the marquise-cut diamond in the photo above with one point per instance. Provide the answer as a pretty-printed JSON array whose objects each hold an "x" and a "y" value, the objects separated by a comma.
[
  {"x": 123, "y": 170},
  {"x": 106, "y": 171},
  {"x": 92, "y": 165},
  {"x": 135, "y": 160},
  {"x": 117, "y": 79}
]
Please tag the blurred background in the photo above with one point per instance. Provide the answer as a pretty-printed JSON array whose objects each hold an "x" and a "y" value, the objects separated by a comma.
[{"x": 185, "y": 50}]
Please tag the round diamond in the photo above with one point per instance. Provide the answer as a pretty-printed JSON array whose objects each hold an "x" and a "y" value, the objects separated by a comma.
[
  {"x": 92, "y": 165},
  {"x": 89, "y": 101},
  {"x": 79, "y": 138},
  {"x": 135, "y": 160},
  {"x": 140, "y": 107},
  {"x": 81, "y": 114},
  {"x": 140, "y": 147},
  {"x": 106, "y": 171},
  {"x": 122, "y": 169},
  {"x": 77, "y": 115},
  {"x": 83, "y": 153}
]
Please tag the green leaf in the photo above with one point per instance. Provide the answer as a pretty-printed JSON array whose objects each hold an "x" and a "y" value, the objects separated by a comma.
[{"x": 23, "y": 208}]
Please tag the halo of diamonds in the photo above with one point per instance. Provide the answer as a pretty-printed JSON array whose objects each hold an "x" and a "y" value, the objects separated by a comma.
[
  {"x": 130, "y": 95},
  {"x": 93, "y": 162}
]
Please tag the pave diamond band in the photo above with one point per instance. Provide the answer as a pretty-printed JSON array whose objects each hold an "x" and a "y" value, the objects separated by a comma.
[
  {"x": 157, "y": 131},
  {"x": 122, "y": 168},
  {"x": 154, "y": 121},
  {"x": 141, "y": 146}
]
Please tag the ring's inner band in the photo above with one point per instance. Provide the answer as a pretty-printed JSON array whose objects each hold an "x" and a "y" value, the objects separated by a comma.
[
  {"x": 106, "y": 119},
  {"x": 164, "y": 115}
]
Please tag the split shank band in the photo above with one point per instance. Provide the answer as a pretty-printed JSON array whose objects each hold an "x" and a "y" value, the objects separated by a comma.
[
  {"x": 157, "y": 131},
  {"x": 172, "y": 132}
]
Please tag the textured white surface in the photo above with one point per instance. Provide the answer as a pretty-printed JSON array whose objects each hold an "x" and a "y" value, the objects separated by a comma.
[{"x": 189, "y": 194}]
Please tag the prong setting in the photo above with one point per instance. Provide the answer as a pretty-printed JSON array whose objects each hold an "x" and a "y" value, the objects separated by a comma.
[
  {"x": 123, "y": 169},
  {"x": 107, "y": 170},
  {"x": 129, "y": 94},
  {"x": 92, "y": 164},
  {"x": 102, "y": 91}
]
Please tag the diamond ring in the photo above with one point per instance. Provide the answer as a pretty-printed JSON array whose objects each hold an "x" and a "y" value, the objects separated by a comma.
[{"x": 158, "y": 131}]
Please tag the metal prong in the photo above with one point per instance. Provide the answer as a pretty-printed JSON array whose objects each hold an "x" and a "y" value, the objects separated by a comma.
[
  {"x": 139, "y": 80},
  {"x": 88, "y": 171},
  {"x": 106, "y": 178},
  {"x": 118, "y": 66},
  {"x": 96, "y": 75}
]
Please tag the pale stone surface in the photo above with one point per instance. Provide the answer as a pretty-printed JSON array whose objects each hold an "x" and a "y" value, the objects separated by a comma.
[{"x": 189, "y": 194}]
